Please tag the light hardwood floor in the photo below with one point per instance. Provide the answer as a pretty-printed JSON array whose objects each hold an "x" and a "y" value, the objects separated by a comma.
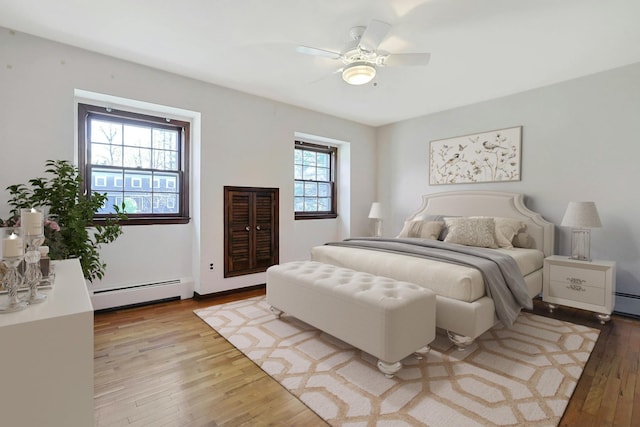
[{"x": 160, "y": 365}]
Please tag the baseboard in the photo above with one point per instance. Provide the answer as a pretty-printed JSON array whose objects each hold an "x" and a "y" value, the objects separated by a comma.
[
  {"x": 220, "y": 294},
  {"x": 140, "y": 304}
]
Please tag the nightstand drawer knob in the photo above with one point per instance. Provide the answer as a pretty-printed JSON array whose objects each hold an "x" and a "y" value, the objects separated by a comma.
[
  {"x": 576, "y": 287},
  {"x": 575, "y": 281}
]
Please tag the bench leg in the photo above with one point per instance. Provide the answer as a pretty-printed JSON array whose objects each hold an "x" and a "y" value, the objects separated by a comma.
[
  {"x": 461, "y": 341},
  {"x": 389, "y": 369},
  {"x": 278, "y": 313},
  {"x": 420, "y": 354}
]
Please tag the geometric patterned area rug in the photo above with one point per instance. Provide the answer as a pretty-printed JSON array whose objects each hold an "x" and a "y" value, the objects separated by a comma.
[{"x": 523, "y": 376}]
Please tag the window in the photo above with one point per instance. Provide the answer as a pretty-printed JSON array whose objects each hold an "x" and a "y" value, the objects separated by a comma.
[
  {"x": 171, "y": 182},
  {"x": 129, "y": 156},
  {"x": 314, "y": 181}
]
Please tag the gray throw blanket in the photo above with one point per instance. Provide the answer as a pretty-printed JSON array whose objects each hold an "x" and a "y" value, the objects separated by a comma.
[{"x": 503, "y": 281}]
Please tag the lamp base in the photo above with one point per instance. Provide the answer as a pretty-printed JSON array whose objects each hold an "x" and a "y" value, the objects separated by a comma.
[
  {"x": 580, "y": 244},
  {"x": 377, "y": 228},
  {"x": 580, "y": 259}
]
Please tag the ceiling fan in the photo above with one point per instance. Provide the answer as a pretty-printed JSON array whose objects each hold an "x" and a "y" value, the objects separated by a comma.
[{"x": 361, "y": 57}]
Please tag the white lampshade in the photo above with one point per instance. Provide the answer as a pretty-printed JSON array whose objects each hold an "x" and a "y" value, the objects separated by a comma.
[
  {"x": 358, "y": 73},
  {"x": 581, "y": 215},
  {"x": 376, "y": 211}
]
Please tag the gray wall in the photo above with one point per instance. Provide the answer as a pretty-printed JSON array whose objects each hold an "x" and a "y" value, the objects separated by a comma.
[{"x": 581, "y": 142}]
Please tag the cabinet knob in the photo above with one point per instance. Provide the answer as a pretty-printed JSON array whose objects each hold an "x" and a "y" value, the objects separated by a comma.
[
  {"x": 575, "y": 281},
  {"x": 258, "y": 227},
  {"x": 576, "y": 287},
  {"x": 247, "y": 228}
]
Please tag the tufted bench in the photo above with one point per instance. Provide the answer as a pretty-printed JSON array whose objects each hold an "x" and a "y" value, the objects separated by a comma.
[{"x": 386, "y": 318}]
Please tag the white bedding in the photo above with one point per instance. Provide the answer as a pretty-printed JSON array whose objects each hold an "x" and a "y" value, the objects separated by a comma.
[
  {"x": 447, "y": 280},
  {"x": 528, "y": 260}
]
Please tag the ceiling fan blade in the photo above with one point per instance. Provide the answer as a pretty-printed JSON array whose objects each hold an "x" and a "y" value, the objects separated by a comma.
[
  {"x": 406, "y": 59},
  {"x": 317, "y": 52},
  {"x": 373, "y": 35}
]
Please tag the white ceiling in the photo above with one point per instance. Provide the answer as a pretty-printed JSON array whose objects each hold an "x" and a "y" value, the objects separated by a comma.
[{"x": 480, "y": 49}]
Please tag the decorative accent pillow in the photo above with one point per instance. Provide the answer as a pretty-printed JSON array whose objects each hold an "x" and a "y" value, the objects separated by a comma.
[
  {"x": 522, "y": 240},
  {"x": 431, "y": 229},
  {"x": 437, "y": 218},
  {"x": 471, "y": 231},
  {"x": 507, "y": 229},
  {"x": 423, "y": 229}
]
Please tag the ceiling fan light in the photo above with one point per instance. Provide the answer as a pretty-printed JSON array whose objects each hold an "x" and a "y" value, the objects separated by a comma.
[{"x": 358, "y": 73}]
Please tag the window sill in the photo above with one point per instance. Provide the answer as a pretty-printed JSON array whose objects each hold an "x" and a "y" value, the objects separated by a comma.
[
  {"x": 147, "y": 221},
  {"x": 315, "y": 216}
]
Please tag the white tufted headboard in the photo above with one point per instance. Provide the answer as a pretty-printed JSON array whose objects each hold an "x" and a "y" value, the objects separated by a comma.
[{"x": 490, "y": 203}]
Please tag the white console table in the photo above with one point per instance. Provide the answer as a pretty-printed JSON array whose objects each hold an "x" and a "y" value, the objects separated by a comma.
[{"x": 46, "y": 356}]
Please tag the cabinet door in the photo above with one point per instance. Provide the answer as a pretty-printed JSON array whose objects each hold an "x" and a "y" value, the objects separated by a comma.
[
  {"x": 251, "y": 230},
  {"x": 238, "y": 235},
  {"x": 266, "y": 242}
]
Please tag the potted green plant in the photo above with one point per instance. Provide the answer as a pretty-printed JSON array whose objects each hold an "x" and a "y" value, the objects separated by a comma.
[{"x": 70, "y": 231}]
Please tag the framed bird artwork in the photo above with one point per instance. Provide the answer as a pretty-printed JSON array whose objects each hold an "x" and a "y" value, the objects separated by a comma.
[{"x": 493, "y": 156}]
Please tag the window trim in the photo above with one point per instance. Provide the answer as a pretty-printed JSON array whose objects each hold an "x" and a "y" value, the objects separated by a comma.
[
  {"x": 333, "y": 152},
  {"x": 84, "y": 165}
]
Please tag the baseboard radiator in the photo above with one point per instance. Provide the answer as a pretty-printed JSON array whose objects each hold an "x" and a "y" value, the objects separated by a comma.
[
  {"x": 140, "y": 293},
  {"x": 627, "y": 304}
]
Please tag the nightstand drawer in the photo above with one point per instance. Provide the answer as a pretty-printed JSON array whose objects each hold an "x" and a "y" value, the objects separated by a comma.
[
  {"x": 587, "y": 285},
  {"x": 577, "y": 276},
  {"x": 577, "y": 292}
]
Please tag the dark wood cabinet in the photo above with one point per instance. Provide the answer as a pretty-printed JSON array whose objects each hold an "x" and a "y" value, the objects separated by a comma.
[{"x": 251, "y": 230}]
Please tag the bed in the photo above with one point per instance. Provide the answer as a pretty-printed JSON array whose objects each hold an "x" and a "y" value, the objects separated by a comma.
[{"x": 463, "y": 308}]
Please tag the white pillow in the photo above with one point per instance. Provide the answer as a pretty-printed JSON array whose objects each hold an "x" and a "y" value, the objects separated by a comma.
[
  {"x": 471, "y": 231},
  {"x": 422, "y": 229}
]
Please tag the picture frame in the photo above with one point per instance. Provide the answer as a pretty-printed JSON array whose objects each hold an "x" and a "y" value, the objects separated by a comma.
[{"x": 492, "y": 156}]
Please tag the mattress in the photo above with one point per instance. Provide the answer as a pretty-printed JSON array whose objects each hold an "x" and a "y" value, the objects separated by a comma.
[{"x": 447, "y": 280}]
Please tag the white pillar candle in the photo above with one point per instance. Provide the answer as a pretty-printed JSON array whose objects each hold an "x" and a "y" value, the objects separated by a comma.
[
  {"x": 12, "y": 246},
  {"x": 32, "y": 223}
]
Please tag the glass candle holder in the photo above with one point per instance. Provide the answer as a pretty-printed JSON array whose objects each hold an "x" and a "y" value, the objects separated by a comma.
[
  {"x": 11, "y": 281},
  {"x": 10, "y": 277},
  {"x": 33, "y": 273},
  {"x": 32, "y": 224}
]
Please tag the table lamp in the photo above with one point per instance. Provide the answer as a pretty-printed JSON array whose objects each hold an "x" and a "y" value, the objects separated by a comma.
[
  {"x": 581, "y": 217},
  {"x": 376, "y": 214}
]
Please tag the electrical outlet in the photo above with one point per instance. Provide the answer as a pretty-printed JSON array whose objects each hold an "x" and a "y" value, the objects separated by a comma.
[{"x": 211, "y": 266}]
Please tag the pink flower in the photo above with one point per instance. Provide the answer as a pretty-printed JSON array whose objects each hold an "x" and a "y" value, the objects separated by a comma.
[{"x": 52, "y": 225}]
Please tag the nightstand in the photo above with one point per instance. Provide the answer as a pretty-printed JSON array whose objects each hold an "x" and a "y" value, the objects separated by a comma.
[{"x": 588, "y": 285}]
